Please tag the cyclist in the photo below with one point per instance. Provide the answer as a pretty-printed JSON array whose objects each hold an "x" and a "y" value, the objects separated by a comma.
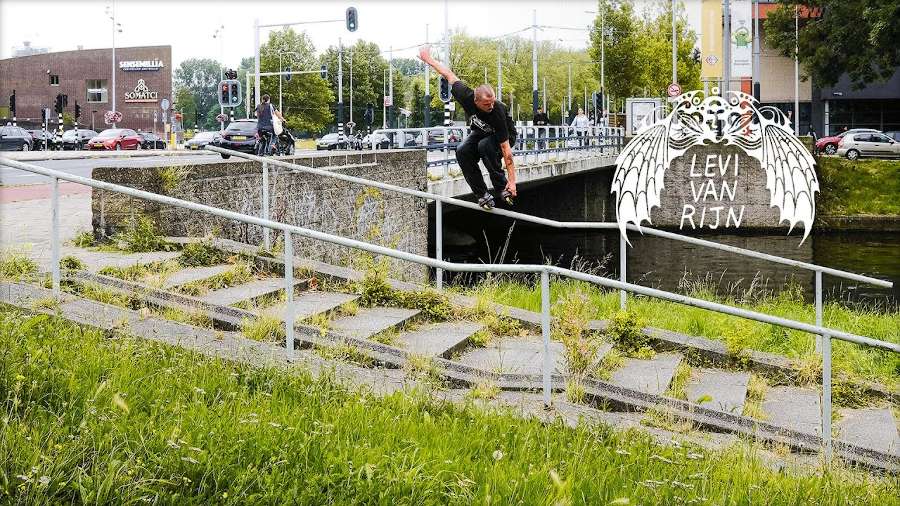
[{"x": 264, "y": 126}]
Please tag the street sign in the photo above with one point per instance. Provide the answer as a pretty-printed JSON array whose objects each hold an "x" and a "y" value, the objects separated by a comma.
[
  {"x": 388, "y": 101},
  {"x": 164, "y": 104},
  {"x": 221, "y": 118},
  {"x": 674, "y": 90},
  {"x": 110, "y": 117}
]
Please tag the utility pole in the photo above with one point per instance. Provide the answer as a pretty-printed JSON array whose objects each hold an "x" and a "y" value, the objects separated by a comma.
[
  {"x": 603, "y": 58},
  {"x": 447, "y": 120},
  {"x": 569, "y": 94},
  {"x": 384, "y": 99},
  {"x": 351, "y": 88},
  {"x": 427, "y": 111},
  {"x": 534, "y": 65},
  {"x": 756, "y": 76},
  {"x": 499, "y": 72},
  {"x": 674, "y": 47},
  {"x": 391, "y": 85},
  {"x": 545, "y": 95},
  {"x": 726, "y": 46},
  {"x": 115, "y": 28},
  {"x": 220, "y": 35},
  {"x": 340, "y": 110},
  {"x": 255, "y": 61},
  {"x": 796, "y": 70}
]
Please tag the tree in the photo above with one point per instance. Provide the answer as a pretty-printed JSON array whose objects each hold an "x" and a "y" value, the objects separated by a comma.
[
  {"x": 305, "y": 96},
  {"x": 187, "y": 104},
  {"x": 417, "y": 118},
  {"x": 200, "y": 77},
  {"x": 856, "y": 37}
]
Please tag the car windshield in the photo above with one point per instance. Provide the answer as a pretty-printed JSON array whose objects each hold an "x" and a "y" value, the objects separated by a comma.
[
  {"x": 71, "y": 134},
  {"x": 241, "y": 126},
  {"x": 111, "y": 133}
]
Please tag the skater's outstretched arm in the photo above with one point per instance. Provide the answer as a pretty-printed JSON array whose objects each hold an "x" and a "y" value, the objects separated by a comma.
[
  {"x": 425, "y": 56},
  {"x": 506, "y": 151}
]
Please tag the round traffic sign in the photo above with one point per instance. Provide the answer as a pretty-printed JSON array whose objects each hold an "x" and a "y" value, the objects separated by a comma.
[
  {"x": 674, "y": 90},
  {"x": 351, "y": 124},
  {"x": 164, "y": 104}
]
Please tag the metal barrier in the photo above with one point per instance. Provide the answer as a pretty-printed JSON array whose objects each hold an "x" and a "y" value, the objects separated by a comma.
[
  {"x": 440, "y": 265},
  {"x": 534, "y": 144}
]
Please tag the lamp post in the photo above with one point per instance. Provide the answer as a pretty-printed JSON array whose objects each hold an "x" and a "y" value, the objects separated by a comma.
[
  {"x": 219, "y": 34},
  {"x": 116, "y": 27}
]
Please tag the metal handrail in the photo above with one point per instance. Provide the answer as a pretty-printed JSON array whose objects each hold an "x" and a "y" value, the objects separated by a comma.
[{"x": 544, "y": 270}]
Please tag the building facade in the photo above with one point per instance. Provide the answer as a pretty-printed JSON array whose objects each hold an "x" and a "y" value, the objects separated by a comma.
[{"x": 143, "y": 78}]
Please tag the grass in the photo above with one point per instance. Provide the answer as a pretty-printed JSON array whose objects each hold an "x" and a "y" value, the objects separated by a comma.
[
  {"x": 88, "y": 419},
  {"x": 266, "y": 327},
  {"x": 346, "y": 353},
  {"x": 850, "y": 361},
  {"x": 847, "y": 187},
  {"x": 756, "y": 392},
  {"x": 15, "y": 266},
  {"x": 237, "y": 274}
]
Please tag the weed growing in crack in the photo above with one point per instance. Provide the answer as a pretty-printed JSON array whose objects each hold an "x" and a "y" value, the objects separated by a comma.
[
  {"x": 266, "y": 328},
  {"x": 345, "y": 352},
  {"x": 15, "y": 266},
  {"x": 626, "y": 331}
]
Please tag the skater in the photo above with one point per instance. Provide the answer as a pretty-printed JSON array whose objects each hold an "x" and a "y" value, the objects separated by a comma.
[{"x": 491, "y": 133}]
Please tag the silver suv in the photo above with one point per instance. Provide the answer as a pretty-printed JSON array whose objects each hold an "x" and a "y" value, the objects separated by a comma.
[{"x": 868, "y": 144}]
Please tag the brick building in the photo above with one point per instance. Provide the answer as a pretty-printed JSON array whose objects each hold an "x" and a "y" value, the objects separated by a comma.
[{"x": 143, "y": 78}]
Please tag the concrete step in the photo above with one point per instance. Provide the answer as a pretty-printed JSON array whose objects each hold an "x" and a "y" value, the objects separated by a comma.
[
  {"x": 192, "y": 274},
  {"x": 94, "y": 261},
  {"x": 648, "y": 376},
  {"x": 308, "y": 304},
  {"x": 721, "y": 390},
  {"x": 796, "y": 408},
  {"x": 247, "y": 291},
  {"x": 521, "y": 356},
  {"x": 370, "y": 321},
  {"x": 438, "y": 339},
  {"x": 870, "y": 428}
]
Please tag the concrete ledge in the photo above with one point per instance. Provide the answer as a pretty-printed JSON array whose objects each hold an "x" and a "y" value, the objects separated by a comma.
[{"x": 859, "y": 223}]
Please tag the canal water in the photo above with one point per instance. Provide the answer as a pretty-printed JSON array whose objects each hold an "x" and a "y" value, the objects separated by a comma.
[{"x": 470, "y": 236}]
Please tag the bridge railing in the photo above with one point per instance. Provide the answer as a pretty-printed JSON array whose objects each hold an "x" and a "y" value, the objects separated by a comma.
[
  {"x": 534, "y": 144},
  {"x": 545, "y": 271}
]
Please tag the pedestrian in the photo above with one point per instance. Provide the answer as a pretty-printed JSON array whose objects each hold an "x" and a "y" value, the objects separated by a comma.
[
  {"x": 541, "y": 120},
  {"x": 491, "y": 133},
  {"x": 264, "y": 126},
  {"x": 581, "y": 124}
]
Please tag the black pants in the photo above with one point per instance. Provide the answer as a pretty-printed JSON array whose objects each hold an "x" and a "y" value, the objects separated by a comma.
[{"x": 487, "y": 149}]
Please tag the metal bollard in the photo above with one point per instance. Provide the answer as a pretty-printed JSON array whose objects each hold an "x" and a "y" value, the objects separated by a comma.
[
  {"x": 545, "y": 333},
  {"x": 623, "y": 255},
  {"x": 289, "y": 293},
  {"x": 267, "y": 242},
  {"x": 54, "y": 238},
  {"x": 438, "y": 243}
]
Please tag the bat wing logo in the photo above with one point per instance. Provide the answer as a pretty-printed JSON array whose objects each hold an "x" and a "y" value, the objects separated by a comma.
[{"x": 761, "y": 132}]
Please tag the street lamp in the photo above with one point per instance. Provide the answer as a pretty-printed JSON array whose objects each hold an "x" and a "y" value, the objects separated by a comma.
[
  {"x": 116, "y": 27},
  {"x": 220, "y": 34}
]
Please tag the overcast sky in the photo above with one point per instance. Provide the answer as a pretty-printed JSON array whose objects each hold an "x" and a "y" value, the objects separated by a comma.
[{"x": 188, "y": 25}]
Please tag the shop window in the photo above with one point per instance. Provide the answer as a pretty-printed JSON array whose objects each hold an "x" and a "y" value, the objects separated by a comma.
[
  {"x": 96, "y": 91},
  {"x": 54, "y": 80}
]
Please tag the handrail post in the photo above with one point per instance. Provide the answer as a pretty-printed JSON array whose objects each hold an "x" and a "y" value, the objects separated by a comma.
[
  {"x": 438, "y": 243},
  {"x": 545, "y": 333},
  {"x": 446, "y": 152},
  {"x": 267, "y": 242},
  {"x": 823, "y": 346},
  {"x": 289, "y": 294},
  {"x": 818, "y": 309},
  {"x": 54, "y": 238},
  {"x": 623, "y": 255}
]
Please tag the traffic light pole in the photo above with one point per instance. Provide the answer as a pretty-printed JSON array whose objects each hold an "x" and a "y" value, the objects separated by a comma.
[
  {"x": 534, "y": 65},
  {"x": 340, "y": 111},
  {"x": 427, "y": 111}
]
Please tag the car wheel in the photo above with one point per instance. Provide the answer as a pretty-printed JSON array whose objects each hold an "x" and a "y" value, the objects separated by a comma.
[
  {"x": 830, "y": 149},
  {"x": 26, "y": 147},
  {"x": 852, "y": 154}
]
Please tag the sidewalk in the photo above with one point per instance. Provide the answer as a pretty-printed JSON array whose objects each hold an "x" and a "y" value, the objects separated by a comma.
[{"x": 23, "y": 193}]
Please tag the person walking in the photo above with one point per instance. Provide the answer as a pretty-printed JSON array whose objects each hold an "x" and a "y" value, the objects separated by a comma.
[
  {"x": 581, "y": 124},
  {"x": 264, "y": 126},
  {"x": 491, "y": 133},
  {"x": 540, "y": 120}
]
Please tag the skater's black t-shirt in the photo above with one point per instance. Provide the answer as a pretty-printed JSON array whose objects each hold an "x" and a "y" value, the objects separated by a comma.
[{"x": 498, "y": 122}]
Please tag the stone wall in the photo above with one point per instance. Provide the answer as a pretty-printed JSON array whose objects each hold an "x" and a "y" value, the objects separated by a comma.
[{"x": 302, "y": 199}]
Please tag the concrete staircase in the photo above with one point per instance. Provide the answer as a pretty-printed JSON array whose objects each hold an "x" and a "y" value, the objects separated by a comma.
[{"x": 714, "y": 398}]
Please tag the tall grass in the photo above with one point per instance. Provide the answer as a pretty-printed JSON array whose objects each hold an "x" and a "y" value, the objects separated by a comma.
[
  {"x": 88, "y": 419},
  {"x": 849, "y": 360}
]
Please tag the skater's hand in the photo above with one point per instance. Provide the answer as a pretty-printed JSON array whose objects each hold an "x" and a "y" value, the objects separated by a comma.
[
  {"x": 425, "y": 53},
  {"x": 511, "y": 188}
]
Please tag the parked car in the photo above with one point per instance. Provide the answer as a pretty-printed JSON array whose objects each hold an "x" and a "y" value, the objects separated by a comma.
[
  {"x": 328, "y": 141},
  {"x": 868, "y": 144},
  {"x": 39, "y": 136},
  {"x": 201, "y": 139},
  {"x": 13, "y": 138},
  {"x": 239, "y": 135},
  {"x": 115, "y": 139},
  {"x": 829, "y": 145},
  {"x": 381, "y": 141},
  {"x": 150, "y": 140},
  {"x": 894, "y": 134},
  {"x": 77, "y": 138},
  {"x": 437, "y": 137}
]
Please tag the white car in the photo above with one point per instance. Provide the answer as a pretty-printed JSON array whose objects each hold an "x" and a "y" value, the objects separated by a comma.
[{"x": 868, "y": 144}]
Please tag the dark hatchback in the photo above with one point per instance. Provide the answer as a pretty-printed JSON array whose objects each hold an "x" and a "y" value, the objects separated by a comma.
[
  {"x": 240, "y": 136},
  {"x": 77, "y": 139},
  {"x": 39, "y": 136},
  {"x": 151, "y": 141},
  {"x": 13, "y": 138}
]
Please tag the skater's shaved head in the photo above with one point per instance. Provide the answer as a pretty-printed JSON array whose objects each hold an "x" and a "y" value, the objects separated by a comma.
[{"x": 484, "y": 97}]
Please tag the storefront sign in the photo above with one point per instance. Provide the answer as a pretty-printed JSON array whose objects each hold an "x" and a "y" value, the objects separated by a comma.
[
  {"x": 135, "y": 65},
  {"x": 141, "y": 93}
]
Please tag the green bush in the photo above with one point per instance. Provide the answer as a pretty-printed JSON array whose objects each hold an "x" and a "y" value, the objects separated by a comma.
[
  {"x": 626, "y": 331},
  {"x": 141, "y": 236}
]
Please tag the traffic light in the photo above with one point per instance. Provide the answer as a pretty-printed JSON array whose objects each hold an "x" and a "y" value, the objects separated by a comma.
[
  {"x": 231, "y": 74},
  {"x": 287, "y": 77},
  {"x": 445, "y": 90},
  {"x": 230, "y": 93},
  {"x": 324, "y": 72},
  {"x": 77, "y": 111},
  {"x": 351, "y": 19},
  {"x": 224, "y": 93},
  {"x": 695, "y": 55},
  {"x": 58, "y": 106},
  {"x": 598, "y": 100},
  {"x": 65, "y": 101},
  {"x": 12, "y": 103},
  {"x": 235, "y": 93},
  {"x": 369, "y": 115}
]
